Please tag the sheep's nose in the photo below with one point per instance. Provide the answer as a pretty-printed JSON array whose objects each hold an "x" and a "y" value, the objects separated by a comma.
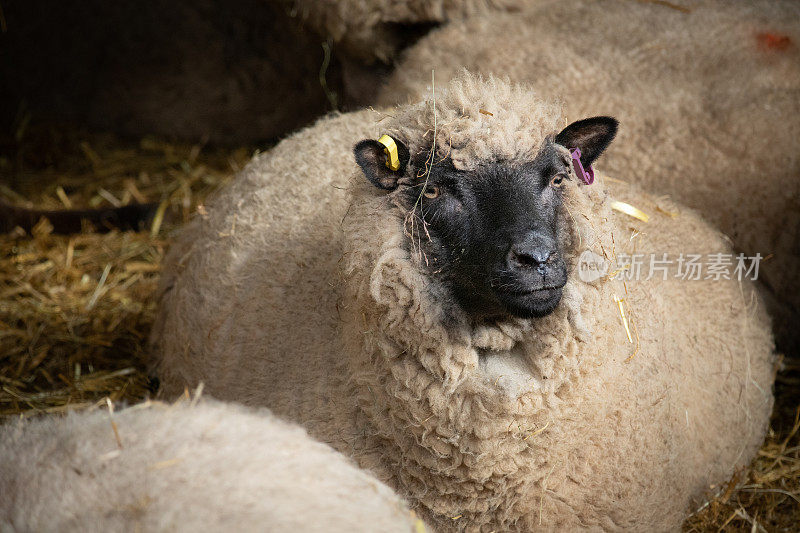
[{"x": 532, "y": 253}]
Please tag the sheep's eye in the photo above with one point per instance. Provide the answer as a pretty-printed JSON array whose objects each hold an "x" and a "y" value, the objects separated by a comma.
[
  {"x": 557, "y": 180},
  {"x": 431, "y": 191}
]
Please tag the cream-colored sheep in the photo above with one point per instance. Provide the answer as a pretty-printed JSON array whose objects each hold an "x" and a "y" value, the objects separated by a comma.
[
  {"x": 184, "y": 467},
  {"x": 708, "y": 98},
  {"x": 304, "y": 289}
]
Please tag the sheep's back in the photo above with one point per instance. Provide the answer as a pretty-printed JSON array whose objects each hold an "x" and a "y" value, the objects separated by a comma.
[
  {"x": 685, "y": 403},
  {"x": 249, "y": 292},
  {"x": 210, "y": 467}
]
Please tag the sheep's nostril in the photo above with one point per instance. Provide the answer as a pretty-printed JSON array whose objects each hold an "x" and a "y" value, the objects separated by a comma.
[{"x": 530, "y": 258}]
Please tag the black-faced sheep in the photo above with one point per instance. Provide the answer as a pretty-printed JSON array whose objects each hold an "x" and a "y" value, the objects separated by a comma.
[
  {"x": 418, "y": 320},
  {"x": 709, "y": 95},
  {"x": 209, "y": 467}
]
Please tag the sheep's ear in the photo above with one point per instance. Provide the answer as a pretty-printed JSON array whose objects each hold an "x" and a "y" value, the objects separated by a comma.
[
  {"x": 371, "y": 156},
  {"x": 591, "y": 135}
]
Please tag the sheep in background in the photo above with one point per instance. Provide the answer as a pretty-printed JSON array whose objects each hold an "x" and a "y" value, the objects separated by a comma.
[
  {"x": 709, "y": 96},
  {"x": 184, "y": 467},
  {"x": 387, "y": 312},
  {"x": 371, "y": 30},
  {"x": 366, "y": 36}
]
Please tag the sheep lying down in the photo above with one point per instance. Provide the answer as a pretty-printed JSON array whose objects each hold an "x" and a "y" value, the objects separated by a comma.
[
  {"x": 432, "y": 322},
  {"x": 367, "y": 36},
  {"x": 373, "y": 30},
  {"x": 709, "y": 99},
  {"x": 183, "y": 467}
]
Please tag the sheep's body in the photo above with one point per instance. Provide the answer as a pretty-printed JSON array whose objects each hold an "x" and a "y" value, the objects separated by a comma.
[
  {"x": 210, "y": 467},
  {"x": 290, "y": 295},
  {"x": 708, "y": 100}
]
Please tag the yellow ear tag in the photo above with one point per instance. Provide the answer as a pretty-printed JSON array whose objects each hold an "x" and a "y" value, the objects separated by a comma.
[{"x": 390, "y": 149}]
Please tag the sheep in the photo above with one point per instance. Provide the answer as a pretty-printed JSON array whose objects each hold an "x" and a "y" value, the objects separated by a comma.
[
  {"x": 371, "y": 31},
  {"x": 184, "y": 467},
  {"x": 327, "y": 290},
  {"x": 710, "y": 96}
]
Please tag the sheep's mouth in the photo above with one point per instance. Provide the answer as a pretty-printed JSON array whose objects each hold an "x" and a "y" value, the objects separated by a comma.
[
  {"x": 541, "y": 291},
  {"x": 531, "y": 303}
]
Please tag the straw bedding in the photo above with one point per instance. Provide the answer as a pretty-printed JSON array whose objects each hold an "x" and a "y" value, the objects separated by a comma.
[{"x": 75, "y": 311}]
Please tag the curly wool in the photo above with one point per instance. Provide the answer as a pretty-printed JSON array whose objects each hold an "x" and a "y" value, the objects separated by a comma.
[
  {"x": 184, "y": 467},
  {"x": 467, "y": 133},
  {"x": 301, "y": 291},
  {"x": 708, "y": 101}
]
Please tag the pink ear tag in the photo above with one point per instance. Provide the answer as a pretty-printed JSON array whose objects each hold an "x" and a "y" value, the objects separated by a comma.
[{"x": 586, "y": 176}]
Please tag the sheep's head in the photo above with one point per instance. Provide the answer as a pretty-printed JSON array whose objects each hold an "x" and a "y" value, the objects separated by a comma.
[{"x": 491, "y": 234}]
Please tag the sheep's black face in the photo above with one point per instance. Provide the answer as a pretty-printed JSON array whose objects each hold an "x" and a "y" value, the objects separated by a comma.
[{"x": 492, "y": 236}]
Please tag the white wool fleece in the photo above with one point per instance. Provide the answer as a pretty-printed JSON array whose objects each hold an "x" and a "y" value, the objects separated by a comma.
[{"x": 184, "y": 467}]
